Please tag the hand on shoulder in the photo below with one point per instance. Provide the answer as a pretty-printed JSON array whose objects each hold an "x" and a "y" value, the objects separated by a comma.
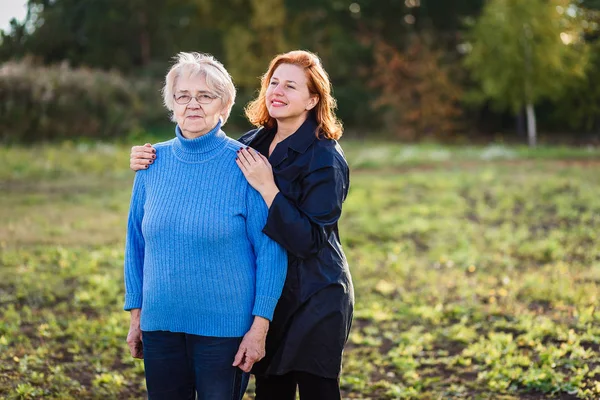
[{"x": 141, "y": 157}]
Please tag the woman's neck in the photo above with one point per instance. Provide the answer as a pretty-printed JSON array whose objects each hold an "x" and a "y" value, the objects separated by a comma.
[{"x": 286, "y": 127}]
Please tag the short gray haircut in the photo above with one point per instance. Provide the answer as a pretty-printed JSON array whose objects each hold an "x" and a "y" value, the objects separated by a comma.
[{"x": 217, "y": 79}]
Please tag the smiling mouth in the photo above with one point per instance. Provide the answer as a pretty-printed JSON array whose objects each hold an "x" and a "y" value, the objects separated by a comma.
[{"x": 278, "y": 103}]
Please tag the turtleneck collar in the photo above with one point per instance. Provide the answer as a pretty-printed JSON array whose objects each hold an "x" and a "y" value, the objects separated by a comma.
[{"x": 201, "y": 148}]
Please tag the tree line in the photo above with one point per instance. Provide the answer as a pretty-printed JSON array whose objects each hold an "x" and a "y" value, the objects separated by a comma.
[{"x": 411, "y": 69}]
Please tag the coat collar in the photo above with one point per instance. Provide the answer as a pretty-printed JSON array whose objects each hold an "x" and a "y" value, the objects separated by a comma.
[
  {"x": 299, "y": 141},
  {"x": 304, "y": 136},
  {"x": 249, "y": 137}
]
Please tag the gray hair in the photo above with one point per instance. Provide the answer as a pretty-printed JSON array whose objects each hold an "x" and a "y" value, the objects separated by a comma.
[{"x": 217, "y": 79}]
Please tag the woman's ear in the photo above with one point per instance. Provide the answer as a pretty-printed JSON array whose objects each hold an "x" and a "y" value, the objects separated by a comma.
[
  {"x": 314, "y": 100},
  {"x": 222, "y": 114}
]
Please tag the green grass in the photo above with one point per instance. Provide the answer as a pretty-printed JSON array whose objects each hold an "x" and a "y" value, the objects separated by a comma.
[
  {"x": 389, "y": 155},
  {"x": 106, "y": 159},
  {"x": 475, "y": 278}
]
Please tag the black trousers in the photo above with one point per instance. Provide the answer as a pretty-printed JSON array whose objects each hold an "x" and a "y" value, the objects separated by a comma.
[{"x": 283, "y": 387}]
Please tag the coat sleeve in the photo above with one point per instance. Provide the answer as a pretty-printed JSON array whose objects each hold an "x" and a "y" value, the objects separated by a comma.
[
  {"x": 303, "y": 228},
  {"x": 271, "y": 258},
  {"x": 134, "y": 246}
]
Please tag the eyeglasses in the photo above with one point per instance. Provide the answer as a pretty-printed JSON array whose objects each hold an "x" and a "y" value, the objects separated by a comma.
[{"x": 202, "y": 98}]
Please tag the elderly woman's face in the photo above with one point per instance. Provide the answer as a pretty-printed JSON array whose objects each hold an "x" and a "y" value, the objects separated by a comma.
[{"x": 203, "y": 110}]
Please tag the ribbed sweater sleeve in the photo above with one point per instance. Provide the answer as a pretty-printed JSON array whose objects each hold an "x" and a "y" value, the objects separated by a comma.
[
  {"x": 271, "y": 258},
  {"x": 134, "y": 246}
]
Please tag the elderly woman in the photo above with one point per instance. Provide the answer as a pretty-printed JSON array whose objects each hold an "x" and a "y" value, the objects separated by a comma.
[{"x": 202, "y": 280}]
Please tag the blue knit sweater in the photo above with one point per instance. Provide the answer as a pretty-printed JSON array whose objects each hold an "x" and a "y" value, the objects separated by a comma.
[{"x": 196, "y": 260}]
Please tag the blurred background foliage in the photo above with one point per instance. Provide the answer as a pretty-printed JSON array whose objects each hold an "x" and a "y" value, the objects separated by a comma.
[
  {"x": 411, "y": 70},
  {"x": 476, "y": 268}
]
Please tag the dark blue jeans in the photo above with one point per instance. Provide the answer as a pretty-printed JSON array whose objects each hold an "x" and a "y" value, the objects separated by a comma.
[{"x": 179, "y": 365}]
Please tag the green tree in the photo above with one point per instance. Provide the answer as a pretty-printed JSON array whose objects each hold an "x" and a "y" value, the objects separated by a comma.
[
  {"x": 580, "y": 104},
  {"x": 522, "y": 52},
  {"x": 109, "y": 34}
]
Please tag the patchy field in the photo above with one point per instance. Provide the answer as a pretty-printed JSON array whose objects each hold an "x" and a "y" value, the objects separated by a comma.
[{"x": 475, "y": 278}]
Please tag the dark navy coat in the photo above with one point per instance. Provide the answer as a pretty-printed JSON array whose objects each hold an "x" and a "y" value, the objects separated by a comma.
[{"x": 313, "y": 316}]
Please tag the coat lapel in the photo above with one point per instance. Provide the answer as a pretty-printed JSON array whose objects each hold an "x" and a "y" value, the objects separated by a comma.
[
  {"x": 279, "y": 154},
  {"x": 299, "y": 142}
]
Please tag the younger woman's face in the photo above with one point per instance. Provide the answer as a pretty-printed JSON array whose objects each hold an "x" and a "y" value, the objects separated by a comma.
[{"x": 287, "y": 95}]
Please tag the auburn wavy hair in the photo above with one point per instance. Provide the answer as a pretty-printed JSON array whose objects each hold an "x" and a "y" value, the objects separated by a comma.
[{"x": 318, "y": 84}]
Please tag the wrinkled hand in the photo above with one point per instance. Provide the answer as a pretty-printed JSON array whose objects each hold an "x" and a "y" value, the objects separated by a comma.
[
  {"x": 256, "y": 168},
  {"x": 142, "y": 156},
  {"x": 134, "y": 337},
  {"x": 252, "y": 348}
]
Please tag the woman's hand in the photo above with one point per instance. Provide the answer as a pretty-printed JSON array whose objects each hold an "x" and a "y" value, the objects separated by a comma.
[
  {"x": 252, "y": 348},
  {"x": 134, "y": 337},
  {"x": 142, "y": 156},
  {"x": 258, "y": 173}
]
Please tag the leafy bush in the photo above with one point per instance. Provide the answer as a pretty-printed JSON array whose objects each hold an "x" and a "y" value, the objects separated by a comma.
[{"x": 58, "y": 102}]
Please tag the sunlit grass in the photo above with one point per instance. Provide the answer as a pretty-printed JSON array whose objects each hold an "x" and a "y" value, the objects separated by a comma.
[
  {"x": 375, "y": 155},
  {"x": 53, "y": 161},
  {"x": 475, "y": 279}
]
